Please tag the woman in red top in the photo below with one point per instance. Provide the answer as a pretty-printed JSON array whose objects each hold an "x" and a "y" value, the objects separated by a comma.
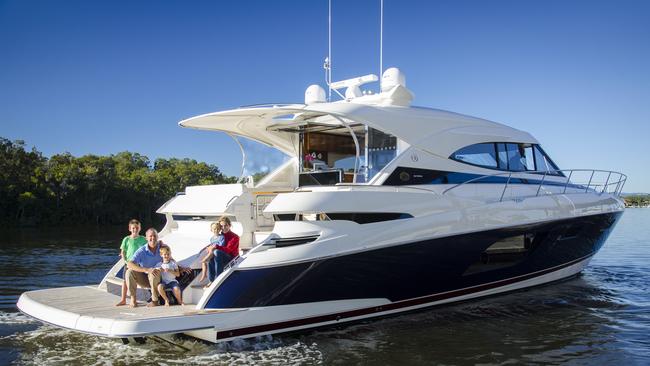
[{"x": 223, "y": 254}]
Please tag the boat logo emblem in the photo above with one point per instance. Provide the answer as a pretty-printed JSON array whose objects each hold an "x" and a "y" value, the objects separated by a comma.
[{"x": 414, "y": 157}]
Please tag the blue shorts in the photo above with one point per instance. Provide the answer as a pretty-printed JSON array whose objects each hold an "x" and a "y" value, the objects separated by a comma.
[{"x": 171, "y": 285}]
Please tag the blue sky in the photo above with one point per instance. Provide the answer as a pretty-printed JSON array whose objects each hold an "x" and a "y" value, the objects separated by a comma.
[{"x": 102, "y": 77}]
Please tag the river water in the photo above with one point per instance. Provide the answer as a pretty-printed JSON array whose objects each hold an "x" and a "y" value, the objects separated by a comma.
[{"x": 599, "y": 318}]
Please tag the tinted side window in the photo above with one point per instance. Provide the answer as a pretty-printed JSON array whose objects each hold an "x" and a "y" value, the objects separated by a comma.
[
  {"x": 507, "y": 156},
  {"x": 528, "y": 155},
  {"x": 520, "y": 157},
  {"x": 544, "y": 163},
  {"x": 540, "y": 161},
  {"x": 514, "y": 158},
  {"x": 479, "y": 154},
  {"x": 503, "y": 156}
]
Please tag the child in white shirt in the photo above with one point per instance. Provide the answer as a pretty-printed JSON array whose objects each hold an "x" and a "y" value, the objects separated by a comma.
[{"x": 169, "y": 271}]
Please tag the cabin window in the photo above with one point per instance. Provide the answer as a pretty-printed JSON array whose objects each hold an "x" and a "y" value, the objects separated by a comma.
[
  {"x": 544, "y": 163},
  {"x": 479, "y": 154},
  {"x": 520, "y": 157},
  {"x": 507, "y": 156},
  {"x": 382, "y": 149},
  {"x": 502, "y": 153},
  {"x": 328, "y": 154}
]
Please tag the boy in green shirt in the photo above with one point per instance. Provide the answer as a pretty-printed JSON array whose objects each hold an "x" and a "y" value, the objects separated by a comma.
[{"x": 130, "y": 244}]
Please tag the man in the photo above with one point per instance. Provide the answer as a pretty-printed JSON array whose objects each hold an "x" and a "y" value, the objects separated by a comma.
[
  {"x": 223, "y": 254},
  {"x": 141, "y": 268}
]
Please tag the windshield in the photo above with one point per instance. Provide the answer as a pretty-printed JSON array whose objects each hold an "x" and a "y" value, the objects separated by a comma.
[{"x": 258, "y": 159}]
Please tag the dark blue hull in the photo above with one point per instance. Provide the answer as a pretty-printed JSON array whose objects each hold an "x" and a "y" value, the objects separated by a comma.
[{"x": 420, "y": 269}]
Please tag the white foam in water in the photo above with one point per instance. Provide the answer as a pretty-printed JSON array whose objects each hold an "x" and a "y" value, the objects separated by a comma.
[
  {"x": 289, "y": 354},
  {"x": 49, "y": 345},
  {"x": 15, "y": 318}
]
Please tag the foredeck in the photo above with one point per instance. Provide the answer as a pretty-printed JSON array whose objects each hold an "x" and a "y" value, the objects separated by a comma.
[{"x": 92, "y": 310}]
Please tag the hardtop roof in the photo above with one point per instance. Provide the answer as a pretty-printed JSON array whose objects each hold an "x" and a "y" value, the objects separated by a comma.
[{"x": 436, "y": 131}]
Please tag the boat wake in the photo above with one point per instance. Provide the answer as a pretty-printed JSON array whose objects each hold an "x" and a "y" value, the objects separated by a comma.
[{"x": 48, "y": 345}]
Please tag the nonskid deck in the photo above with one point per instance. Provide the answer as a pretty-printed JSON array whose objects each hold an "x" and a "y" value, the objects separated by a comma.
[
  {"x": 89, "y": 309},
  {"x": 91, "y": 301}
]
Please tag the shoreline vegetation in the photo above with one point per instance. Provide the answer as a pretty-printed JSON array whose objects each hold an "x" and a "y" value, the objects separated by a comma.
[
  {"x": 637, "y": 200},
  {"x": 91, "y": 189}
]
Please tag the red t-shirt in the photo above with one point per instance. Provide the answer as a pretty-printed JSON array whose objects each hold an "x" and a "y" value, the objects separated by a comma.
[{"x": 231, "y": 244}]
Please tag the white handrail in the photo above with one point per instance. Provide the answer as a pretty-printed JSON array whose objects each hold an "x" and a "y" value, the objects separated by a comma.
[{"x": 620, "y": 183}]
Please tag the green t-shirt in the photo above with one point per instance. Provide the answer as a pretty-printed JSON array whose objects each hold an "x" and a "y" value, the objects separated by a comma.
[{"x": 130, "y": 245}]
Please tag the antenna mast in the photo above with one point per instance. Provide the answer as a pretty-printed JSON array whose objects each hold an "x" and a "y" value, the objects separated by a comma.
[
  {"x": 381, "y": 42},
  {"x": 329, "y": 51}
]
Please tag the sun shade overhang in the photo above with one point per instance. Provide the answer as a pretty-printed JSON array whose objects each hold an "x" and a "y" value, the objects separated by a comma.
[
  {"x": 251, "y": 123},
  {"x": 434, "y": 131}
]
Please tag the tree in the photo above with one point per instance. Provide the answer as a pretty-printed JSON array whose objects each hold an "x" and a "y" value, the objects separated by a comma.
[{"x": 91, "y": 189}]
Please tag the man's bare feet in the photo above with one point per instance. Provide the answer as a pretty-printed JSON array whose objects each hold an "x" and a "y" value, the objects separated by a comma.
[
  {"x": 207, "y": 285},
  {"x": 122, "y": 302},
  {"x": 133, "y": 304},
  {"x": 152, "y": 304},
  {"x": 167, "y": 304}
]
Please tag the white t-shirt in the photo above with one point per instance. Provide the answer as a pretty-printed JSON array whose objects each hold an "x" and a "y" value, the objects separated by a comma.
[{"x": 167, "y": 277}]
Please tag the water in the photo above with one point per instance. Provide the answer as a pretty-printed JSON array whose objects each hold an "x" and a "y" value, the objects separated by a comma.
[{"x": 601, "y": 317}]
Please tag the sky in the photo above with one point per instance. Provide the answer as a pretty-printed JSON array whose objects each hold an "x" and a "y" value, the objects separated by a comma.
[{"x": 101, "y": 77}]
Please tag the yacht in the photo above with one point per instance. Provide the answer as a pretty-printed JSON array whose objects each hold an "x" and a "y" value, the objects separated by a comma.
[{"x": 381, "y": 208}]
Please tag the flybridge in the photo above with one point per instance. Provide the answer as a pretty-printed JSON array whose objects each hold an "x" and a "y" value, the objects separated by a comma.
[{"x": 393, "y": 90}]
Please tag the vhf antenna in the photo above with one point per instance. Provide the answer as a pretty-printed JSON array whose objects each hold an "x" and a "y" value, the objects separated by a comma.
[
  {"x": 328, "y": 61},
  {"x": 327, "y": 64},
  {"x": 381, "y": 43}
]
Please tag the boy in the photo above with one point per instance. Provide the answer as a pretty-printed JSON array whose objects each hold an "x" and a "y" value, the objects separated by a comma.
[
  {"x": 223, "y": 254},
  {"x": 130, "y": 244},
  {"x": 216, "y": 239},
  {"x": 169, "y": 271}
]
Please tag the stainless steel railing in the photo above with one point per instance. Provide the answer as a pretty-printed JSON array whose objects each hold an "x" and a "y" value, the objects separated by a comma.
[{"x": 596, "y": 183}]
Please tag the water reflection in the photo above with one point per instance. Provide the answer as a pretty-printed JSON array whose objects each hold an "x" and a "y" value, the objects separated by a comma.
[{"x": 551, "y": 324}]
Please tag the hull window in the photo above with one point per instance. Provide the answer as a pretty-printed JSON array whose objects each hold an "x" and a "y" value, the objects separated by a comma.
[{"x": 503, "y": 253}]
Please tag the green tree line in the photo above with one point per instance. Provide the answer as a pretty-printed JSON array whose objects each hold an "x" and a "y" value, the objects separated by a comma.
[
  {"x": 91, "y": 189},
  {"x": 637, "y": 200}
]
